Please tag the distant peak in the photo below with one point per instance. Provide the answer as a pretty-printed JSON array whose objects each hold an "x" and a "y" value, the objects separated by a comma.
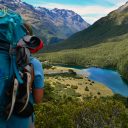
[{"x": 55, "y": 9}]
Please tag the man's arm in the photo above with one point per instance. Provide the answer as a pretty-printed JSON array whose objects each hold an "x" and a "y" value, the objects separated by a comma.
[
  {"x": 38, "y": 95},
  {"x": 38, "y": 83}
]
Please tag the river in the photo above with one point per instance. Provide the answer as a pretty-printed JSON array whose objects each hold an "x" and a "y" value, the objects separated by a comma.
[{"x": 110, "y": 78}]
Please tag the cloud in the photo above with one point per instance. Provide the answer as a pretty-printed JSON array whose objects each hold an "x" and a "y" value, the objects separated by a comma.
[
  {"x": 92, "y": 18},
  {"x": 86, "y": 10},
  {"x": 82, "y": 10}
]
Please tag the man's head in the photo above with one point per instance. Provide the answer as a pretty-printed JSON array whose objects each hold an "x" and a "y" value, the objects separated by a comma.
[{"x": 33, "y": 43}]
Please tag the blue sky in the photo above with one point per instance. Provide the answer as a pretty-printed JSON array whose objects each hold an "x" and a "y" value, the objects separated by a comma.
[
  {"x": 90, "y": 10},
  {"x": 72, "y": 2}
]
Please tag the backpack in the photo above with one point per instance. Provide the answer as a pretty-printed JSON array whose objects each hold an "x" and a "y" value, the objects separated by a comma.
[{"x": 12, "y": 75}]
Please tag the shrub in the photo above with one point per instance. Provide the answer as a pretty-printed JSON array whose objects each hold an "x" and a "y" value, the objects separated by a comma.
[
  {"x": 93, "y": 82},
  {"x": 68, "y": 84},
  {"x": 54, "y": 83},
  {"x": 53, "y": 67},
  {"x": 79, "y": 83},
  {"x": 48, "y": 94},
  {"x": 98, "y": 93},
  {"x": 90, "y": 83},
  {"x": 71, "y": 71},
  {"x": 96, "y": 113},
  {"x": 47, "y": 65},
  {"x": 86, "y": 89},
  {"x": 78, "y": 94},
  {"x": 51, "y": 115},
  {"x": 74, "y": 86},
  {"x": 78, "y": 77},
  {"x": 64, "y": 86},
  {"x": 99, "y": 114},
  {"x": 95, "y": 97}
]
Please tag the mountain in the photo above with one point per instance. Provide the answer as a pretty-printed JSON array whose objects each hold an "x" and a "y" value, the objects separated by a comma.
[
  {"x": 52, "y": 25},
  {"x": 110, "y": 27}
]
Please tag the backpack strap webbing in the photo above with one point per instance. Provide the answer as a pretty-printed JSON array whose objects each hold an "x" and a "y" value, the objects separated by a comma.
[
  {"x": 12, "y": 53},
  {"x": 29, "y": 68}
]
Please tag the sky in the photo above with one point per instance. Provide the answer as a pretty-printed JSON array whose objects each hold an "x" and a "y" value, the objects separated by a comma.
[{"x": 90, "y": 10}]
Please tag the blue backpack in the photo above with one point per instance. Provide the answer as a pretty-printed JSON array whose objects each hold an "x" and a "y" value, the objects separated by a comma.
[{"x": 11, "y": 31}]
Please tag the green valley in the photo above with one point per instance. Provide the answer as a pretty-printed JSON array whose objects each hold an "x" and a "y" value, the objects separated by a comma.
[{"x": 104, "y": 45}]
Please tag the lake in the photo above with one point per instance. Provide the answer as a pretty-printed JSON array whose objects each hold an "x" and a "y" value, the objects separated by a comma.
[{"x": 109, "y": 78}]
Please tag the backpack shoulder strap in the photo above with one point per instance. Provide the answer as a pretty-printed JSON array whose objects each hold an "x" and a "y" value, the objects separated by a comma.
[{"x": 30, "y": 68}]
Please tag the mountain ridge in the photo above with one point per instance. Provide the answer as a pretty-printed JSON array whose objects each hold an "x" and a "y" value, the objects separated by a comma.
[
  {"x": 51, "y": 25},
  {"x": 113, "y": 25}
]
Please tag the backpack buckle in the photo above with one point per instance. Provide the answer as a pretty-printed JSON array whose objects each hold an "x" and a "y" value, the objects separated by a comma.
[{"x": 12, "y": 50}]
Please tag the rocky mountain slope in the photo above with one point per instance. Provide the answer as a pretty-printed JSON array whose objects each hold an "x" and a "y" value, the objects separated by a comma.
[
  {"x": 110, "y": 27},
  {"x": 52, "y": 25}
]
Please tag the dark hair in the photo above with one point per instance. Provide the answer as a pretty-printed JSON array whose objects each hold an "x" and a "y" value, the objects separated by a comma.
[{"x": 28, "y": 28}]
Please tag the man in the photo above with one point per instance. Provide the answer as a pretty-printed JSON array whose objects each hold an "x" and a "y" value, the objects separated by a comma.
[{"x": 37, "y": 90}]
